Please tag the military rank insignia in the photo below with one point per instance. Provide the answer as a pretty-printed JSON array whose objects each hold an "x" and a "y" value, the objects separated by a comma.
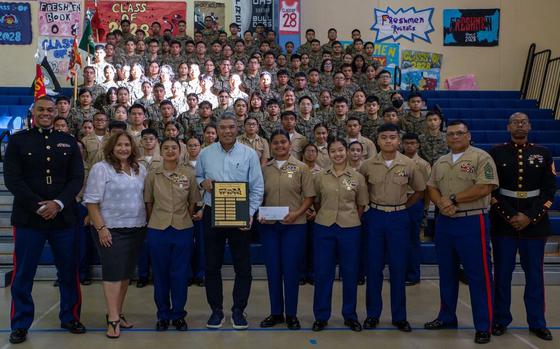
[
  {"x": 488, "y": 172},
  {"x": 290, "y": 170},
  {"x": 401, "y": 173},
  {"x": 180, "y": 180}
]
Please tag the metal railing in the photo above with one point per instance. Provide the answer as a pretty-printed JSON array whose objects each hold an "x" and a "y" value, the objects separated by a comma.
[{"x": 541, "y": 79}]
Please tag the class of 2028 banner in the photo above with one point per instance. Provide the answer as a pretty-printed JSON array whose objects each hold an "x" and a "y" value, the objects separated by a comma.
[{"x": 471, "y": 27}]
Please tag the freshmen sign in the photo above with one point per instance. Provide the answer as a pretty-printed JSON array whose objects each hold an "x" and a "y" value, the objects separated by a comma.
[
  {"x": 471, "y": 27},
  {"x": 59, "y": 18}
]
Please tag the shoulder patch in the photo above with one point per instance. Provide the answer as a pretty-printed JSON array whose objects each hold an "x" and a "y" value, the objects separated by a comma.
[{"x": 488, "y": 171}]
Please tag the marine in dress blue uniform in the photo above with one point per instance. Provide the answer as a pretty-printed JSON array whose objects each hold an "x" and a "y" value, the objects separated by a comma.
[
  {"x": 44, "y": 171},
  {"x": 520, "y": 223},
  {"x": 460, "y": 185}
]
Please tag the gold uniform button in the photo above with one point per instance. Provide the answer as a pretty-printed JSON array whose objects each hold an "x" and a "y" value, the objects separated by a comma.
[
  {"x": 520, "y": 163},
  {"x": 520, "y": 170},
  {"x": 520, "y": 185},
  {"x": 48, "y": 171},
  {"x": 48, "y": 158},
  {"x": 46, "y": 137},
  {"x": 48, "y": 147},
  {"x": 520, "y": 178},
  {"x": 520, "y": 157},
  {"x": 520, "y": 150}
]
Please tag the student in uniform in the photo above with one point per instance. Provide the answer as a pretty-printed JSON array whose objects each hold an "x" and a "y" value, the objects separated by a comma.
[
  {"x": 252, "y": 139},
  {"x": 389, "y": 175},
  {"x": 297, "y": 140},
  {"x": 411, "y": 144},
  {"x": 197, "y": 261},
  {"x": 170, "y": 193},
  {"x": 321, "y": 132},
  {"x": 287, "y": 182},
  {"x": 149, "y": 142},
  {"x": 341, "y": 196}
]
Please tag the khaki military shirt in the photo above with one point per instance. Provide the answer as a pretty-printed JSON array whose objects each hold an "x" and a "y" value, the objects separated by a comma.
[
  {"x": 298, "y": 143},
  {"x": 288, "y": 185},
  {"x": 323, "y": 159},
  {"x": 475, "y": 166},
  {"x": 340, "y": 197},
  {"x": 171, "y": 192},
  {"x": 369, "y": 147},
  {"x": 389, "y": 185},
  {"x": 92, "y": 146},
  {"x": 259, "y": 144},
  {"x": 424, "y": 168}
]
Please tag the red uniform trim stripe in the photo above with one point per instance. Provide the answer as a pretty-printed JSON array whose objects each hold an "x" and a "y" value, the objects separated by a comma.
[
  {"x": 486, "y": 269},
  {"x": 13, "y": 308}
]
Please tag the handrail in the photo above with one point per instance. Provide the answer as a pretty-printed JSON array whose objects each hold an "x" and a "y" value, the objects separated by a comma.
[
  {"x": 5, "y": 133},
  {"x": 527, "y": 70},
  {"x": 541, "y": 79}
]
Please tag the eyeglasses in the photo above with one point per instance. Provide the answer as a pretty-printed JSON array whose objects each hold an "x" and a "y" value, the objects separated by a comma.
[{"x": 458, "y": 133}]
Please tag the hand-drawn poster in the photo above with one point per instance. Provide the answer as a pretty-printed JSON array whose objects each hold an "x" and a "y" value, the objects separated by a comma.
[
  {"x": 60, "y": 18},
  {"x": 422, "y": 69},
  {"x": 141, "y": 14},
  {"x": 15, "y": 23},
  {"x": 408, "y": 24},
  {"x": 471, "y": 27}
]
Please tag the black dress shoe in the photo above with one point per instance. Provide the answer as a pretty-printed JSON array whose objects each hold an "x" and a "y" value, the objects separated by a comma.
[
  {"x": 55, "y": 283},
  {"x": 310, "y": 281},
  {"x": 370, "y": 323},
  {"x": 74, "y": 327},
  {"x": 319, "y": 325},
  {"x": 272, "y": 320},
  {"x": 361, "y": 281},
  {"x": 482, "y": 337},
  {"x": 141, "y": 283},
  {"x": 411, "y": 283},
  {"x": 437, "y": 324},
  {"x": 18, "y": 336},
  {"x": 542, "y": 333},
  {"x": 199, "y": 282},
  {"x": 180, "y": 324},
  {"x": 462, "y": 276},
  {"x": 352, "y": 324},
  {"x": 190, "y": 282},
  {"x": 301, "y": 281},
  {"x": 293, "y": 323},
  {"x": 86, "y": 282},
  {"x": 498, "y": 330},
  {"x": 162, "y": 325},
  {"x": 402, "y": 326}
]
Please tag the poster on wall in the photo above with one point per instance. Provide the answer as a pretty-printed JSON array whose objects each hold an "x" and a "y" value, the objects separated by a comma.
[
  {"x": 289, "y": 16},
  {"x": 57, "y": 51},
  {"x": 216, "y": 10},
  {"x": 471, "y": 27},
  {"x": 15, "y": 23},
  {"x": 248, "y": 13},
  {"x": 422, "y": 69},
  {"x": 387, "y": 54},
  {"x": 403, "y": 23},
  {"x": 141, "y": 14},
  {"x": 59, "y": 18}
]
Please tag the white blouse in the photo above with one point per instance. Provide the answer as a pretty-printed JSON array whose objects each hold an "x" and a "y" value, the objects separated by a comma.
[{"x": 120, "y": 196}]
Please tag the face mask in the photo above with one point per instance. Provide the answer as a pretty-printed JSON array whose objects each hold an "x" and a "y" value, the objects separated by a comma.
[{"x": 397, "y": 103}]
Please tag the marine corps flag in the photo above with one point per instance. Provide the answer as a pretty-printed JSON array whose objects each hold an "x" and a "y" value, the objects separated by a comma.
[{"x": 39, "y": 89}]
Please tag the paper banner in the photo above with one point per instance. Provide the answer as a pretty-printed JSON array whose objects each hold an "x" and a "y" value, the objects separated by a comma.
[
  {"x": 60, "y": 18},
  {"x": 422, "y": 69},
  {"x": 471, "y": 27},
  {"x": 408, "y": 24},
  {"x": 15, "y": 23}
]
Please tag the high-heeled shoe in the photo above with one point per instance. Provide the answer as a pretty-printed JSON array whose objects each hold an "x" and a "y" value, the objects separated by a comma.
[
  {"x": 114, "y": 325},
  {"x": 124, "y": 323}
]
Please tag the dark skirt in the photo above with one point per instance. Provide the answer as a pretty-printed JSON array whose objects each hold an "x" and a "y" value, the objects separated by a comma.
[{"x": 118, "y": 262}]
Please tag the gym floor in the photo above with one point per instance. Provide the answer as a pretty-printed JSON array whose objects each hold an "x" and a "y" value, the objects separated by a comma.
[{"x": 423, "y": 304}]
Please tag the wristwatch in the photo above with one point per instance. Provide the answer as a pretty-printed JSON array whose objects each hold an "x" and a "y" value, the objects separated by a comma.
[{"x": 453, "y": 199}]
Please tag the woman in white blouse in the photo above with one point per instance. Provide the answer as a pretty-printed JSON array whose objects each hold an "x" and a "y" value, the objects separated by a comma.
[{"x": 115, "y": 202}]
